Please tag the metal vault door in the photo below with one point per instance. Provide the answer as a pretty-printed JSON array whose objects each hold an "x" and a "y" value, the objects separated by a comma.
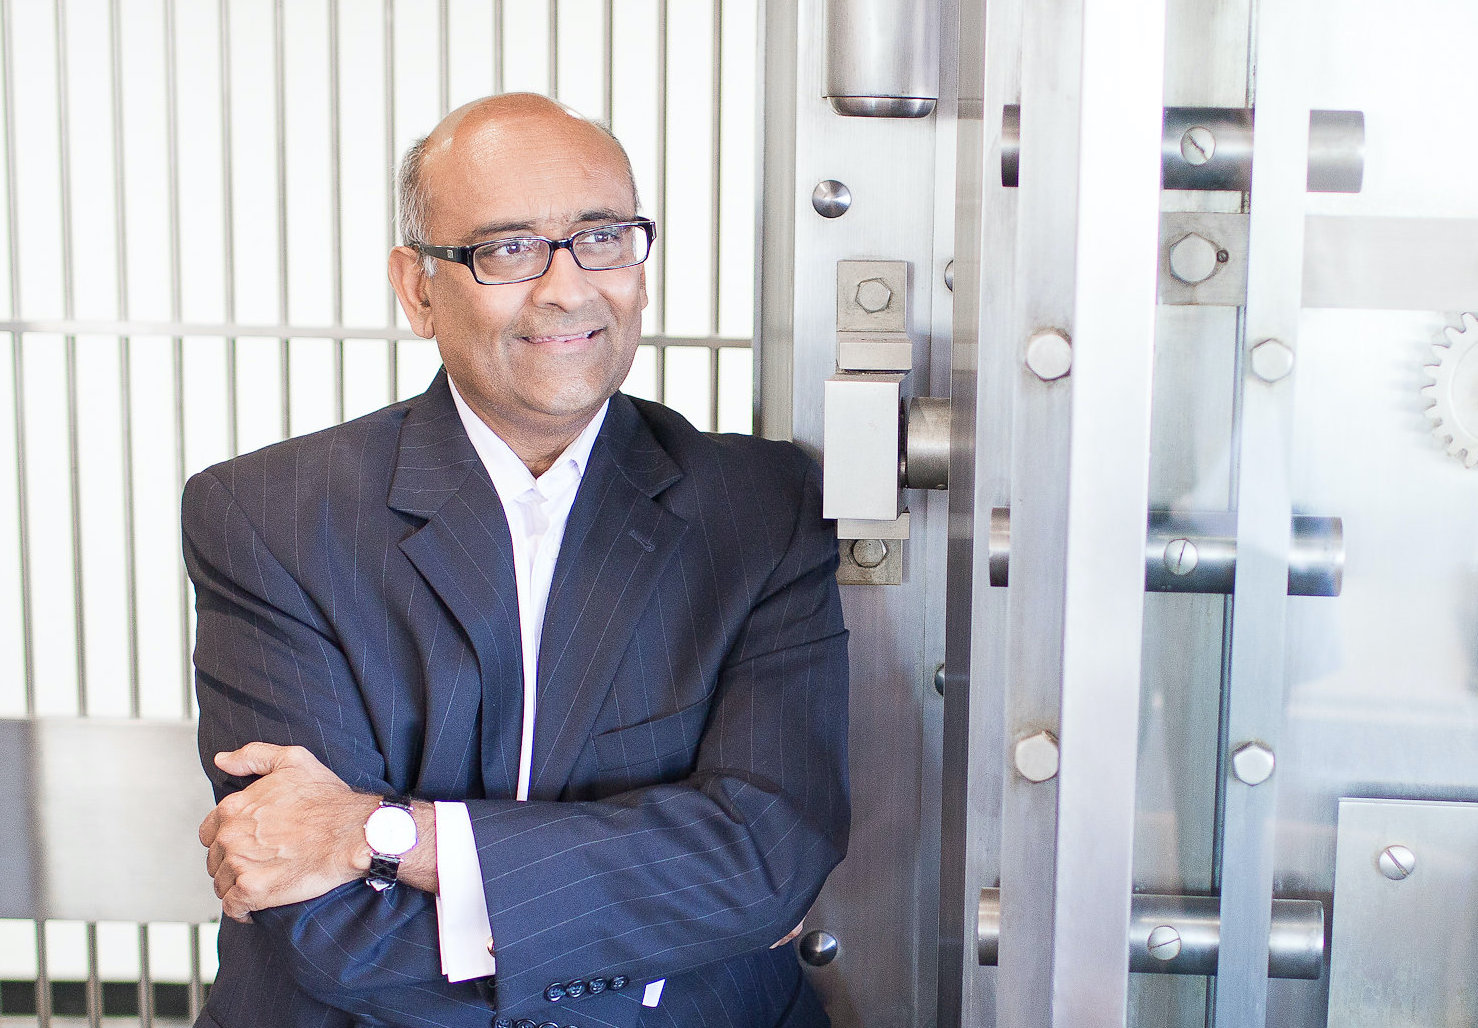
[{"x": 1210, "y": 724}]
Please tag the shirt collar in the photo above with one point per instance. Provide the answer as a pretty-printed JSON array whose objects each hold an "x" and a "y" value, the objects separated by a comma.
[{"x": 511, "y": 477}]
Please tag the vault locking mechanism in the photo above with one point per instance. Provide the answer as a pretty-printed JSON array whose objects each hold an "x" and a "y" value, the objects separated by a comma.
[{"x": 877, "y": 440}]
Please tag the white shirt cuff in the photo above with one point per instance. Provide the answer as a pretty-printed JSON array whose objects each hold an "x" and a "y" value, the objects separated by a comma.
[{"x": 461, "y": 906}]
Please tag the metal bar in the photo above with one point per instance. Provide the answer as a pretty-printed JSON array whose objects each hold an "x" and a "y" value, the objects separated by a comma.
[
  {"x": 392, "y": 369},
  {"x": 716, "y": 173},
  {"x": 713, "y": 390},
  {"x": 1046, "y": 230},
  {"x": 336, "y": 198},
  {"x": 1171, "y": 934},
  {"x": 443, "y": 57},
  {"x": 146, "y": 981},
  {"x": 553, "y": 37},
  {"x": 43, "y": 978},
  {"x": 279, "y": 95},
  {"x": 228, "y": 231},
  {"x": 774, "y": 285},
  {"x": 196, "y": 991},
  {"x": 498, "y": 45},
  {"x": 1422, "y": 264},
  {"x": 660, "y": 363},
  {"x": 94, "y": 980},
  {"x": 17, "y": 370},
  {"x": 177, "y": 343},
  {"x": 660, "y": 291},
  {"x": 125, "y": 386},
  {"x": 1253, "y": 705},
  {"x": 217, "y": 330},
  {"x": 608, "y": 73},
  {"x": 1117, "y": 254},
  {"x": 74, "y": 472}
]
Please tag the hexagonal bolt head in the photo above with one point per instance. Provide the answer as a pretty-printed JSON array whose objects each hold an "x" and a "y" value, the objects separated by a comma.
[
  {"x": 1272, "y": 360},
  {"x": 869, "y": 553},
  {"x": 1194, "y": 259},
  {"x": 1253, "y": 763},
  {"x": 1037, "y": 756},
  {"x": 1049, "y": 355},
  {"x": 873, "y": 295}
]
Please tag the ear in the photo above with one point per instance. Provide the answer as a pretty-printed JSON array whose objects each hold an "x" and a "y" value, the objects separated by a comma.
[{"x": 413, "y": 287}]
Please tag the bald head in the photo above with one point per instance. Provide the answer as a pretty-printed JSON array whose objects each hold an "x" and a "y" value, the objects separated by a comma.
[{"x": 480, "y": 130}]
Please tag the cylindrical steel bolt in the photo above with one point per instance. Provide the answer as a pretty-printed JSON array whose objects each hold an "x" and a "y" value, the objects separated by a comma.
[
  {"x": 1036, "y": 757},
  {"x": 1181, "y": 556},
  {"x": 1397, "y": 862},
  {"x": 869, "y": 553},
  {"x": 939, "y": 679},
  {"x": 873, "y": 295},
  {"x": 818, "y": 948},
  {"x": 1164, "y": 943}
]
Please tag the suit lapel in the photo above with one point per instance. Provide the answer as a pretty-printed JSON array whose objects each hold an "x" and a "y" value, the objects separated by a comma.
[
  {"x": 466, "y": 556},
  {"x": 617, "y": 542}
]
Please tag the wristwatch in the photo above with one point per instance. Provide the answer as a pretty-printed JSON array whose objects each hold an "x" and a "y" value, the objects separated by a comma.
[{"x": 391, "y": 833}]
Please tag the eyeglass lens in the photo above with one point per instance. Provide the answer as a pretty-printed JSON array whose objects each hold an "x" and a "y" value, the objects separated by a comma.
[{"x": 595, "y": 249}]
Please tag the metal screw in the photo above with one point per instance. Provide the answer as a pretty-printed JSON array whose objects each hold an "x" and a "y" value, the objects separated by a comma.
[
  {"x": 1037, "y": 757},
  {"x": 818, "y": 948},
  {"x": 1164, "y": 943},
  {"x": 939, "y": 679},
  {"x": 869, "y": 553},
  {"x": 1193, "y": 258},
  {"x": 1397, "y": 862},
  {"x": 1271, "y": 360},
  {"x": 1181, "y": 556},
  {"x": 1049, "y": 355},
  {"x": 1198, "y": 145},
  {"x": 830, "y": 198},
  {"x": 873, "y": 295},
  {"x": 1253, "y": 763}
]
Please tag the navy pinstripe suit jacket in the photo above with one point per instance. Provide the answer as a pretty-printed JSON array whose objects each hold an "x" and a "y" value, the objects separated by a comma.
[{"x": 355, "y": 596}]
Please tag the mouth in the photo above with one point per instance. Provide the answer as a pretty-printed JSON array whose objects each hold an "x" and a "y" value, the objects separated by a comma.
[{"x": 562, "y": 339}]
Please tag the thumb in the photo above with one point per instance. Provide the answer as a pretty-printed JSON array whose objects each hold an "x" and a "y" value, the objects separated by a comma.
[{"x": 255, "y": 758}]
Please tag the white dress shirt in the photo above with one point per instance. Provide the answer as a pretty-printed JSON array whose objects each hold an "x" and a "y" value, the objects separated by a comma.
[{"x": 537, "y": 510}]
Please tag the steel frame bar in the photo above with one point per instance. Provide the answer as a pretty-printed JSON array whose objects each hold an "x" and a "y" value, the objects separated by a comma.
[{"x": 1253, "y": 701}]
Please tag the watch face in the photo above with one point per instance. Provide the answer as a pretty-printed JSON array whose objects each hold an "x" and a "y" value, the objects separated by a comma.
[{"x": 390, "y": 830}]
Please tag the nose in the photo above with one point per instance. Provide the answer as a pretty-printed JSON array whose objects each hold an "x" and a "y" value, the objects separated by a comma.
[{"x": 565, "y": 285}]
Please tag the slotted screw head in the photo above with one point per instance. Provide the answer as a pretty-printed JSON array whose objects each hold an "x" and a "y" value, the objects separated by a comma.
[
  {"x": 1198, "y": 145},
  {"x": 1397, "y": 862},
  {"x": 1181, "y": 556},
  {"x": 1164, "y": 943}
]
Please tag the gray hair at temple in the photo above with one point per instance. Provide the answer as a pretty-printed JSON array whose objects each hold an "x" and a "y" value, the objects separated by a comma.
[{"x": 414, "y": 201}]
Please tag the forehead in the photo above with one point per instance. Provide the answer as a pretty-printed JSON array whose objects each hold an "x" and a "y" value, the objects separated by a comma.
[{"x": 544, "y": 173}]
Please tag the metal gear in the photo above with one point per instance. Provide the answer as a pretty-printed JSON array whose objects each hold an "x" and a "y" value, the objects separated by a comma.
[{"x": 1453, "y": 395}]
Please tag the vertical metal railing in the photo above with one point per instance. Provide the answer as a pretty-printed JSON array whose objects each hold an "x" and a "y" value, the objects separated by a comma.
[{"x": 196, "y": 54}]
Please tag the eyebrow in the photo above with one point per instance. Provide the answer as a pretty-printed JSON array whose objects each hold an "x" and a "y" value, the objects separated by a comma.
[{"x": 493, "y": 228}]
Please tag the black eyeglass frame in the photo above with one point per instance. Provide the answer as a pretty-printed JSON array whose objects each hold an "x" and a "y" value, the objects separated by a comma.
[{"x": 463, "y": 255}]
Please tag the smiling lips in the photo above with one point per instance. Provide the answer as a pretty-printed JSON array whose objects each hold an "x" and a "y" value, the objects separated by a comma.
[{"x": 578, "y": 337}]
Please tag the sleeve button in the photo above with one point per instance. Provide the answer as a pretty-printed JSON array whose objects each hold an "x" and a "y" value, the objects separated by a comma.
[
  {"x": 619, "y": 982},
  {"x": 526, "y": 1023},
  {"x": 597, "y": 985},
  {"x": 574, "y": 990},
  {"x": 555, "y": 992},
  {"x": 503, "y": 1022}
]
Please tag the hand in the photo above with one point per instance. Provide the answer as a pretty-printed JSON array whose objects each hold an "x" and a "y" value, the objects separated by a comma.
[{"x": 294, "y": 834}]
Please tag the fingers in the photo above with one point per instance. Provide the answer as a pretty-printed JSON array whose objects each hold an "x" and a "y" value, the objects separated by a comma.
[{"x": 255, "y": 758}]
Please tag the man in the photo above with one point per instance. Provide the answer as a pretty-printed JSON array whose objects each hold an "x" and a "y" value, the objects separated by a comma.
[{"x": 463, "y": 782}]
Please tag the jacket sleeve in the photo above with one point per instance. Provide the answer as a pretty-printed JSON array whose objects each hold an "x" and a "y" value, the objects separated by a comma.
[
  {"x": 660, "y": 880},
  {"x": 269, "y": 668}
]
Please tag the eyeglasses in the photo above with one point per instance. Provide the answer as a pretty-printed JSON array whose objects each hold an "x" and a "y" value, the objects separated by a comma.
[{"x": 501, "y": 262}]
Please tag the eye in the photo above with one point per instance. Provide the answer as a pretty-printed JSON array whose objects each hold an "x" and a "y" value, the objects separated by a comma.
[
  {"x": 608, "y": 234},
  {"x": 516, "y": 247}
]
